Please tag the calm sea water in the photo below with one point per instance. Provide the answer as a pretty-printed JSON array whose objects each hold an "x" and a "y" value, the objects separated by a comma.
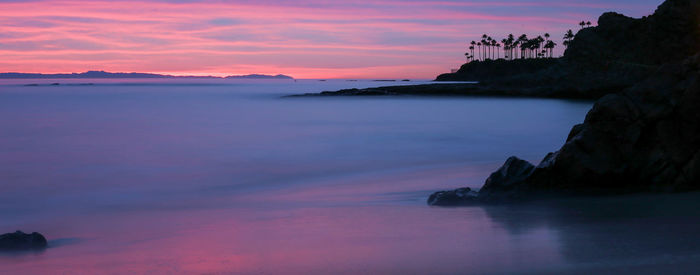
[{"x": 191, "y": 176}]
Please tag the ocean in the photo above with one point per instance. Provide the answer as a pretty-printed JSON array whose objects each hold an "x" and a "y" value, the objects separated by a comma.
[{"x": 158, "y": 176}]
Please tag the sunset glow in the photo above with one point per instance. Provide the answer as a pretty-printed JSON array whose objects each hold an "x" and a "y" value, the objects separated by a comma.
[{"x": 304, "y": 39}]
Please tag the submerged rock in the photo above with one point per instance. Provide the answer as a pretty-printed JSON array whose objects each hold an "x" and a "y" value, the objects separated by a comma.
[
  {"x": 22, "y": 241},
  {"x": 461, "y": 196}
]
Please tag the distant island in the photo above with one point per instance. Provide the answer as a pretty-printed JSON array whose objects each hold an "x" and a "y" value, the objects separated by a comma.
[{"x": 103, "y": 74}]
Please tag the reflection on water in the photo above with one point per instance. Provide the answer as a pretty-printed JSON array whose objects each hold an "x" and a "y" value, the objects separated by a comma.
[{"x": 228, "y": 177}]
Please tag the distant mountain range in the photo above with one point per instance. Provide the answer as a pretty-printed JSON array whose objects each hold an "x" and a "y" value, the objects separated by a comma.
[{"x": 103, "y": 74}]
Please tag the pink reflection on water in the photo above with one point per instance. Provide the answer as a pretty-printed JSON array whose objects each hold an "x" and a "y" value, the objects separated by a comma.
[{"x": 376, "y": 239}]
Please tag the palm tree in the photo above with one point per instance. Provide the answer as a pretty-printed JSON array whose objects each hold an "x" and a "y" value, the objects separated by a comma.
[
  {"x": 488, "y": 44},
  {"x": 511, "y": 40},
  {"x": 473, "y": 43},
  {"x": 539, "y": 42},
  {"x": 471, "y": 49},
  {"x": 498, "y": 50},
  {"x": 549, "y": 46},
  {"x": 479, "y": 45},
  {"x": 568, "y": 37},
  {"x": 588, "y": 24},
  {"x": 483, "y": 42},
  {"x": 523, "y": 47},
  {"x": 505, "y": 47},
  {"x": 582, "y": 24},
  {"x": 523, "y": 40}
]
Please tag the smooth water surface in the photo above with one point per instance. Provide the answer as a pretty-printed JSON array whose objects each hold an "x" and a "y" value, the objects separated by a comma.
[{"x": 185, "y": 176}]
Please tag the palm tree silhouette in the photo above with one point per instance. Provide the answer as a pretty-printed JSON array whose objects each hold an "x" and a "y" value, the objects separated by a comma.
[
  {"x": 538, "y": 47},
  {"x": 523, "y": 40},
  {"x": 483, "y": 42},
  {"x": 582, "y": 24},
  {"x": 511, "y": 40},
  {"x": 480, "y": 54},
  {"x": 473, "y": 45},
  {"x": 568, "y": 37},
  {"x": 549, "y": 46},
  {"x": 588, "y": 24},
  {"x": 505, "y": 47},
  {"x": 490, "y": 45},
  {"x": 498, "y": 50}
]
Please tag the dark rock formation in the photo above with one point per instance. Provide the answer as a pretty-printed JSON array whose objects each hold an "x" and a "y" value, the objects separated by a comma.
[
  {"x": 461, "y": 196},
  {"x": 646, "y": 139},
  {"x": 512, "y": 172},
  {"x": 458, "y": 89},
  {"x": 670, "y": 34},
  {"x": 498, "y": 69},
  {"x": 22, "y": 241},
  {"x": 608, "y": 58}
]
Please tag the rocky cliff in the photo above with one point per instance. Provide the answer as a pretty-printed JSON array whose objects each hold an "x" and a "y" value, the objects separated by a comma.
[
  {"x": 670, "y": 34},
  {"x": 615, "y": 55},
  {"x": 645, "y": 138}
]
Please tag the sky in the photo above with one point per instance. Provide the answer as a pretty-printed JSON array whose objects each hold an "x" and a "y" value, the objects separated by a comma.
[{"x": 416, "y": 39}]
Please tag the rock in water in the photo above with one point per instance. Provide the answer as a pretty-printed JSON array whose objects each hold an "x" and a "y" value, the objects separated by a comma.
[
  {"x": 461, "y": 196},
  {"x": 22, "y": 241},
  {"x": 506, "y": 178},
  {"x": 500, "y": 183}
]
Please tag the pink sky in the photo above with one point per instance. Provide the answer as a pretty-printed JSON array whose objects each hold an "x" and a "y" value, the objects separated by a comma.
[{"x": 304, "y": 39}]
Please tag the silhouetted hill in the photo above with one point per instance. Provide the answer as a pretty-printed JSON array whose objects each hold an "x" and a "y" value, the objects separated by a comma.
[
  {"x": 616, "y": 54},
  {"x": 103, "y": 74},
  {"x": 671, "y": 34},
  {"x": 493, "y": 69}
]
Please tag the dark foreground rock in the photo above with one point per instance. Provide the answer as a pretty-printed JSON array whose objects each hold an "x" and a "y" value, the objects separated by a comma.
[
  {"x": 645, "y": 139},
  {"x": 21, "y": 241}
]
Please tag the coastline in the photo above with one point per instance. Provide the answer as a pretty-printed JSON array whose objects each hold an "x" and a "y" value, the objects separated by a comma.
[{"x": 456, "y": 89}]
